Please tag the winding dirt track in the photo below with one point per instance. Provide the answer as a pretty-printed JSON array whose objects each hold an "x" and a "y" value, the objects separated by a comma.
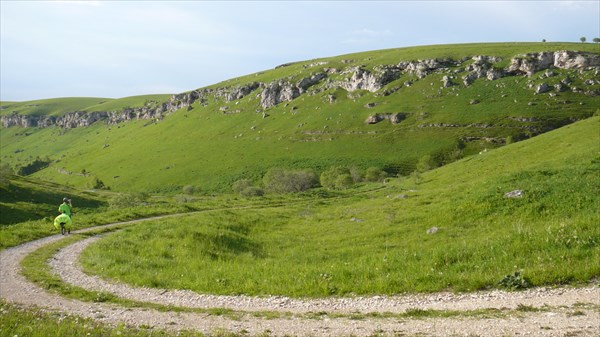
[{"x": 564, "y": 311}]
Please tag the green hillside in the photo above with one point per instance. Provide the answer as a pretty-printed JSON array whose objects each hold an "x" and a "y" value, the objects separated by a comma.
[
  {"x": 453, "y": 228},
  {"x": 227, "y": 134},
  {"x": 24, "y": 199}
]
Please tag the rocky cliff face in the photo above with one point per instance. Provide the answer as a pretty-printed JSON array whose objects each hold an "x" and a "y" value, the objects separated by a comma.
[
  {"x": 353, "y": 78},
  {"x": 283, "y": 91},
  {"x": 530, "y": 63}
]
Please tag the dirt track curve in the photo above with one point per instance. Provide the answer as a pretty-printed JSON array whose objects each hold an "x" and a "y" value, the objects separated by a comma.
[{"x": 561, "y": 311}]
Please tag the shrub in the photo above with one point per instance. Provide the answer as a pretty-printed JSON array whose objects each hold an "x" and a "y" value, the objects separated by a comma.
[
  {"x": 426, "y": 163},
  {"x": 514, "y": 282},
  {"x": 127, "y": 200},
  {"x": 344, "y": 181},
  {"x": 240, "y": 185},
  {"x": 190, "y": 189},
  {"x": 356, "y": 174},
  {"x": 329, "y": 178},
  {"x": 252, "y": 191},
  {"x": 5, "y": 174},
  {"x": 375, "y": 174},
  {"x": 285, "y": 181},
  {"x": 98, "y": 184}
]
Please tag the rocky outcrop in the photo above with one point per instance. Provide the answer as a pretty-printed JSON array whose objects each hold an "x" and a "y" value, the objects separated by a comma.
[
  {"x": 530, "y": 63},
  {"x": 575, "y": 60},
  {"x": 422, "y": 68},
  {"x": 284, "y": 91},
  {"x": 79, "y": 119},
  {"x": 446, "y": 82},
  {"x": 362, "y": 79},
  {"x": 277, "y": 92},
  {"x": 393, "y": 118},
  {"x": 237, "y": 92},
  {"x": 482, "y": 66}
]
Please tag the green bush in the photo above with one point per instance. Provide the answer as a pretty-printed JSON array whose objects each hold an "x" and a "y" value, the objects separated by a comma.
[
  {"x": 127, "y": 200},
  {"x": 344, "y": 181},
  {"x": 240, "y": 185},
  {"x": 515, "y": 282},
  {"x": 252, "y": 191},
  {"x": 375, "y": 174},
  {"x": 329, "y": 178},
  {"x": 190, "y": 189},
  {"x": 426, "y": 163},
  {"x": 5, "y": 173},
  {"x": 287, "y": 181},
  {"x": 98, "y": 184}
]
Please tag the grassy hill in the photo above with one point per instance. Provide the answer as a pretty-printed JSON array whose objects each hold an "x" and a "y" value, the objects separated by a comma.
[
  {"x": 217, "y": 140},
  {"x": 26, "y": 199},
  {"x": 451, "y": 228}
]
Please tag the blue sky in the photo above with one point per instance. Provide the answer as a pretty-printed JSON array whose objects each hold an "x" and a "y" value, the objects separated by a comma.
[{"x": 117, "y": 49}]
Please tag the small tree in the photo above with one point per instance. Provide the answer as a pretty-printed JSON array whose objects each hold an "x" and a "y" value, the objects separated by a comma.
[
  {"x": 127, "y": 200},
  {"x": 344, "y": 181},
  {"x": 241, "y": 185},
  {"x": 330, "y": 176},
  {"x": 543, "y": 40},
  {"x": 286, "y": 181},
  {"x": 375, "y": 174},
  {"x": 6, "y": 173},
  {"x": 596, "y": 40},
  {"x": 582, "y": 39},
  {"x": 98, "y": 184},
  {"x": 426, "y": 163},
  {"x": 190, "y": 189},
  {"x": 252, "y": 191}
]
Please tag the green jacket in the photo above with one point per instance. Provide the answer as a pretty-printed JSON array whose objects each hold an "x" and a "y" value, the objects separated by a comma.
[
  {"x": 63, "y": 218},
  {"x": 65, "y": 209}
]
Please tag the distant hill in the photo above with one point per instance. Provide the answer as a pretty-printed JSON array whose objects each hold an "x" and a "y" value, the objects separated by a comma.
[{"x": 387, "y": 109}]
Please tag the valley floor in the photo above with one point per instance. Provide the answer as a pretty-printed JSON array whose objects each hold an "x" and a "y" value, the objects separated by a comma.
[{"x": 563, "y": 311}]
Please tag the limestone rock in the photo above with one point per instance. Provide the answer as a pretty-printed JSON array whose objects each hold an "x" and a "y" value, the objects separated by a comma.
[
  {"x": 542, "y": 88},
  {"x": 514, "y": 194}
]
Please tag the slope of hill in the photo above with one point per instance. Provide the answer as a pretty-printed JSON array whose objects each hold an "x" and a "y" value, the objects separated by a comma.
[
  {"x": 384, "y": 108},
  {"x": 455, "y": 228},
  {"x": 23, "y": 198}
]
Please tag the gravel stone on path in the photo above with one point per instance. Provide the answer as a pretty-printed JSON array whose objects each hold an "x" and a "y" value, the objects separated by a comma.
[{"x": 556, "y": 319}]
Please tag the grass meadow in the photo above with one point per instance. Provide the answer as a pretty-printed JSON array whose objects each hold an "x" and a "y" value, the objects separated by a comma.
[{"x": 377, "y": 242}]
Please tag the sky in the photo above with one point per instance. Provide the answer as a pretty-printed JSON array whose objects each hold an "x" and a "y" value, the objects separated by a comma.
[{"x": 115, "y": 49}]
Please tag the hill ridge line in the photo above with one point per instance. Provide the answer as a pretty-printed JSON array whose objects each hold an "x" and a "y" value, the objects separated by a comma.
[{"x": 285, "y": 90}]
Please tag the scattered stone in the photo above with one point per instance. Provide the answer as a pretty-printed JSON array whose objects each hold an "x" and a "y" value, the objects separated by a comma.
[
  {"x": 542, "y": 88},
  {"x": 446, "y": 82},
  {"x": 514, "y": 194},
  {"x": 432, "y": 230}
]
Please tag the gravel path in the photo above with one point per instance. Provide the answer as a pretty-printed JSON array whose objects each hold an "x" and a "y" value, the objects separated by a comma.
[{"x": 563, "y": 313}]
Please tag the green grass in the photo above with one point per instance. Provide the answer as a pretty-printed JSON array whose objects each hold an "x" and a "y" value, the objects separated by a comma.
[
  {"x": 19, "y": 321},
  {"x": 376, "y": 243},
  {"x": 25, "y": 199},
  {"x": 209, "y": 149}
]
